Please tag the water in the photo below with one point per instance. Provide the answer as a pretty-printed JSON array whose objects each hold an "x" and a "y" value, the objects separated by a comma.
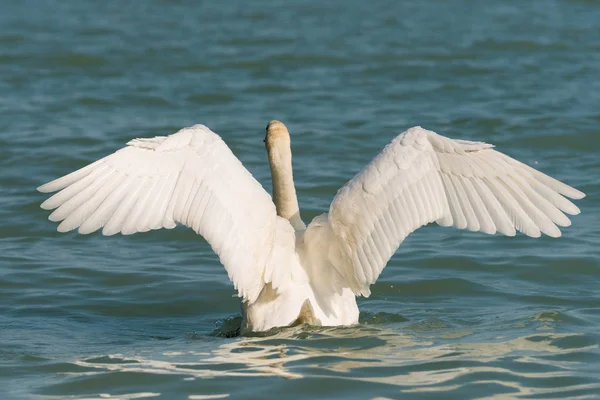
[{"x": 454, "y": 314}]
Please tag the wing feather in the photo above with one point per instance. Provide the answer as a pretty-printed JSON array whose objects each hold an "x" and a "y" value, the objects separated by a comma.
[
  {"x": 541, "y": 203},
  {"x": 73, "y": 212},
  {"x": 70, "y": 179},
  {"x": 115, "y": 222},
  {"x": 501, "y": 220},
  {"x": 486, "y": 224},
  {"x": 464, "y": 203},
  {"x": 145, "y": 207},
  {"x": 190, "y": 178},
  {"x": 133, "y": 222},
  {"x": 422, "y": 177},
  {"x": 458, "y": 217},
  {"x": 104, "y": 204}
]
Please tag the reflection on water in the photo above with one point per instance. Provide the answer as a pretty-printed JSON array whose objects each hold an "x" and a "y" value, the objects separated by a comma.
[
  {"x": 103, "y": 396},
  {"x": 523, "y": 366}
]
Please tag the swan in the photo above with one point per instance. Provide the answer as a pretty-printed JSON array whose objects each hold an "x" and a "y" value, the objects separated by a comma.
[{"x": 285, "y": 272}]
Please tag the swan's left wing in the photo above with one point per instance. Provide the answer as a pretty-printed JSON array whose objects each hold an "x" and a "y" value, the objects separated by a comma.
[
  {"x": 192, "y": 178},
  {"x": 422, "y": 177}
]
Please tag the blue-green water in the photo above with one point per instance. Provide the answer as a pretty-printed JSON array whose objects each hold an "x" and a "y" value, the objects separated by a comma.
[{"x": 454, "y": 314}]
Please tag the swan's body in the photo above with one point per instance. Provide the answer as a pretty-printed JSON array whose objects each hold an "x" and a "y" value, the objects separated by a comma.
[{"x": 285, "y": 272}]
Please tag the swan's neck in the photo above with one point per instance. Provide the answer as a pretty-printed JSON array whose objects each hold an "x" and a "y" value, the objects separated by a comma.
[
  {"x": 280, "y": 160},
  {"x": 284, "y": 191}
]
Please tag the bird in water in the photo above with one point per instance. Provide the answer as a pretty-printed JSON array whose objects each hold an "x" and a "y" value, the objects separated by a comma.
[{"x": 285, "y": 272}]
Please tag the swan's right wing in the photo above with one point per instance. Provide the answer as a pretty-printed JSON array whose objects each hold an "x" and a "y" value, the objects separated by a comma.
[
  {"x": 191, "y": 178},
  {"x": 422, "y": 177}
]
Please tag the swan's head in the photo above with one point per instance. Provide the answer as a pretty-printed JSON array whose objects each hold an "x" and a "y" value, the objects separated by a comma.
[
  {"x": 277, "y": 134},
  {"x": 277, "y": 141}
]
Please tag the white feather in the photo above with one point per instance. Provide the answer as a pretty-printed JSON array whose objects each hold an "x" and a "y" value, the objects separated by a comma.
[
  {"x": 469, "y": 185},
  {"x": 192, "y": 178},
  {"x": 173, "y": 170}
]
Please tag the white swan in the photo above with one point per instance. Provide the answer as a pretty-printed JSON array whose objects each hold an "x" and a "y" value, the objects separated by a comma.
[{"x": 285, "y": 272}]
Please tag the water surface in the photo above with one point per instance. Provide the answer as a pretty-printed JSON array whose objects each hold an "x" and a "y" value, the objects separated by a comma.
[{"x": 455, "y": 315}]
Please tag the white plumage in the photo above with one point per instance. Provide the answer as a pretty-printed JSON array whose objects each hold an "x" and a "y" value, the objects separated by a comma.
[
  {"x": 190, "y": 178},
  {"x": 286, "y": 273}
]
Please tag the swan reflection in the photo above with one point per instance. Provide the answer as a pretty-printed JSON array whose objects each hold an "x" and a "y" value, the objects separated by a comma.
[{"x": 370, "y": 354}]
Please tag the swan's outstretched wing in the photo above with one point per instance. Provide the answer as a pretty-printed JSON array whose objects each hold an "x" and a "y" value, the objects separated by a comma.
[
  {"x": 422, "y": 177},
  {"x": 191, "y": 178}
]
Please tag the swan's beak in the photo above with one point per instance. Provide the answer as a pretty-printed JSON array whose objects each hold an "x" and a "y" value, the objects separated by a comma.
[{"x": 266, "y": 133}]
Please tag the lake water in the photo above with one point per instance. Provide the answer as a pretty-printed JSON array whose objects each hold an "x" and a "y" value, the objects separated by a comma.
[{"x": 455, "y": 315}]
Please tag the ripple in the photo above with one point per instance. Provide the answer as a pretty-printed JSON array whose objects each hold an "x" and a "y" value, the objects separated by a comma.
[
  {"x": 208, "y": 98},
  {"x": 11, "y": 39},
  {"x": 381, "y": 318},
  {"x": 299, "y": 353},
  {"x": 78, "y": 60},
  {"x": 147, "y": 100},
  {"x": 95, "y": 101},
  {"x": 520, "y": 45}
]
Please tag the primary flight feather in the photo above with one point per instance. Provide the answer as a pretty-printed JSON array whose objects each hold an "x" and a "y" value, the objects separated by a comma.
[{"x": 284, "y": 271}]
